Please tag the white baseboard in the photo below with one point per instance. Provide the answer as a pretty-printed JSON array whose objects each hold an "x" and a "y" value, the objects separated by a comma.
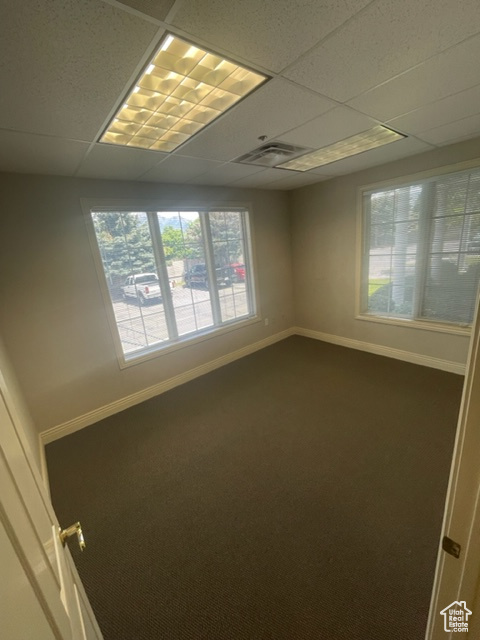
[
  {"x": 389, "y": 352},
  {"x": 87, "y": 419},
  {"x": 54, "y": 433}
]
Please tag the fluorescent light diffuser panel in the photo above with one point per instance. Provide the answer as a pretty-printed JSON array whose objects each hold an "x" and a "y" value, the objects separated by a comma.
[
  {"x": 376, "y": 137},
  {"x": 182, "y": 89}
]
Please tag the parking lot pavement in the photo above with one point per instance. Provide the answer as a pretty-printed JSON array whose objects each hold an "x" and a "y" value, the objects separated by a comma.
[{"x": 143, "y": 326}]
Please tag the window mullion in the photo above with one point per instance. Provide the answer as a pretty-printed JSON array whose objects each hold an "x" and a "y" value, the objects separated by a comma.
[
  {"x": 161, "y": 264},
  {"x": 366, "y": 243},
  {"x": 461, "y": 256},
  {"x": 247, "y": 257},
  {"x": 423, "y": 246},
  {"x": 210, "y": 264}
]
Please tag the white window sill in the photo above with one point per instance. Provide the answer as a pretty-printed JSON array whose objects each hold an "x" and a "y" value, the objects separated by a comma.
[
  {"x": 164, "y": 348},
  {"x": 423, "y": 325}
]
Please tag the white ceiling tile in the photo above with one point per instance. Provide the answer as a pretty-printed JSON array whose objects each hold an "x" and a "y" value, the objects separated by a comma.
[
  {"x": 157, "y": 9},
  {"x": 65, "y": 64},
  {"x": 276, "y": 107},
  {"x": 454, "y": 131},
  {"x": 271, "y": 33},
  {"x": 296, "y": 181},
  {"x": 461, "y": 105},
  {"x": 119, "y": 163},
  {"x": 338, "y": 124},
  {"x": 27, "y": 153},
  {"x": 178, "y": 169},
  {"x": 386, "y": 39},
  {"x": 226, "y": 173},
  {"x": 442, "y": 76},
  {"x": 262, "y": 178},
  {"x": 381, "y": 155}
]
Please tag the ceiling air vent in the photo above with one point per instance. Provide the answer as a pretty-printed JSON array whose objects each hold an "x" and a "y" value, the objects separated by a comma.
[{"x": 271, "y": 154}]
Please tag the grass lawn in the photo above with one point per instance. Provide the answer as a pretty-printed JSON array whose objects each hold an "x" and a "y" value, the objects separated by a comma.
[{"x": 376, "y": 283}]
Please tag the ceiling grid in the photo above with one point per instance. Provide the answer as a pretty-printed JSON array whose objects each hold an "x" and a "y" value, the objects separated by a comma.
[{"x": 336, "y": 70}]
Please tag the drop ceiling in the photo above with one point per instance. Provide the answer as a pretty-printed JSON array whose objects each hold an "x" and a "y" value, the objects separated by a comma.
[{"x": 336, "y": 69}]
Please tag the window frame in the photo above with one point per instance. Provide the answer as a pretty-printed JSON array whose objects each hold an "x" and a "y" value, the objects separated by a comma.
[
  {"x": 362, "y": 250},
  {"x": 91, "y": 205}
]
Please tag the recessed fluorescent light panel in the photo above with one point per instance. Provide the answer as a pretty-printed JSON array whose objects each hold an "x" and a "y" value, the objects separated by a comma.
[
  {"x": 376, "y": 137},
  {"x": 182, "y": 89}
]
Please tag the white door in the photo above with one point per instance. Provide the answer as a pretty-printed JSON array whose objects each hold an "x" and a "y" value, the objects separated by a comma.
[
  {"x": 458, "y": 579},
  {"x": 41, "y": 595}
]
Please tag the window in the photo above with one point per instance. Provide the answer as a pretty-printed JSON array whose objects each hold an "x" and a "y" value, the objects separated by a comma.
[
  {"x": 173, "y": 275},
  {"x": 421, "y": 258}
]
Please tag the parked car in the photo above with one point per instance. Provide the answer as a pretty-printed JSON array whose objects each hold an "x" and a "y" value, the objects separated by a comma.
[
  {"x": 197, "y": 276},
  {"x": 143, "y": 287},
  {"x": 474, "y": 243},
  {"x": 238, "y": 271}
]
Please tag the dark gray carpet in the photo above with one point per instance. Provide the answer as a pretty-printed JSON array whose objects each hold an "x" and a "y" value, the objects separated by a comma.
[{"x": 297, "y": 493}]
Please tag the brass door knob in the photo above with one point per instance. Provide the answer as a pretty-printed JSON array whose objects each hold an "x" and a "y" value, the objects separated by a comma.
[{"x": 74, "y": 529}]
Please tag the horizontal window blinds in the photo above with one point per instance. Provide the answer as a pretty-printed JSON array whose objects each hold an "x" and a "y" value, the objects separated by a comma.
[{"x": 422, "y": 249}]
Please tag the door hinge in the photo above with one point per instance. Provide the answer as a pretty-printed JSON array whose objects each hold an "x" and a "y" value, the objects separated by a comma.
[{"x": 451, "y": 547}]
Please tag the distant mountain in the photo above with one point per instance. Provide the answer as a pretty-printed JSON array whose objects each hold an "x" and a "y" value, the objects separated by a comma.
[
  {"x": 174, "y": 221},
  {"x": 141, "y": 218},
  {"x": 164, "y": 221}
]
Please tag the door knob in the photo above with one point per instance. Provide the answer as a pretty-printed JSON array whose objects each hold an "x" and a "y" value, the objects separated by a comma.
[{"x": 74, "y": 529}]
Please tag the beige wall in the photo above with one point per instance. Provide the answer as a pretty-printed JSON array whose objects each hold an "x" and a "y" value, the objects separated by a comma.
[
  {"x": 29, "y": 435},
  {"x": 52, "y": 317},
  {"x": 324, "y": 218}
]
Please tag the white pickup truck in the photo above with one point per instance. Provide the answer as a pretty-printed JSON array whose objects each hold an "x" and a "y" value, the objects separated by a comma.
[{"x": 143, "y": 287}]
